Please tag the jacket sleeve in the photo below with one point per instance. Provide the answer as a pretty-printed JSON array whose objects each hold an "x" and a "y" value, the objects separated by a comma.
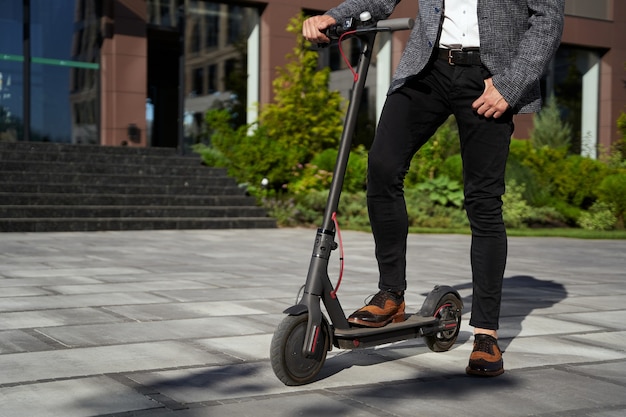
[
  {"x": 536, "y": 47},
  {"x": 380, "y": 9}
]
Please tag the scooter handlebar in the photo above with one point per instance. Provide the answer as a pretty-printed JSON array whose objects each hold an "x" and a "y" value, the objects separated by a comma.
[
  {"x": 391, "y": 25},
  {"x": 350, "y": 24}
]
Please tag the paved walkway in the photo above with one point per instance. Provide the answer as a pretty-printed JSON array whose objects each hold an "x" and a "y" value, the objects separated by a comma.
[{"x": 178, "y": 323}]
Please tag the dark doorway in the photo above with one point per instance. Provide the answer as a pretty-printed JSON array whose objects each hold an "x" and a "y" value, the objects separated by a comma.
[{"x": 163, "y": 55}]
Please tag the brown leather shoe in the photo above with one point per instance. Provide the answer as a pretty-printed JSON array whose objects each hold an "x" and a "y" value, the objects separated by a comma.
[
  {"x": 486, "y": 358},
  {"x": 385, "y": 307}
]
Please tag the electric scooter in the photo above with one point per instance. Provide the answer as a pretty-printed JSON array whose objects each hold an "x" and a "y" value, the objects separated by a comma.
[{"x": 303, "y": 338}]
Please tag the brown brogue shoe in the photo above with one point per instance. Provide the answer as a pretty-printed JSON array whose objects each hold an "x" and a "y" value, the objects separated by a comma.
[
  {"x": 385, "y": 307},
  {"x": 486, "y": 358}
]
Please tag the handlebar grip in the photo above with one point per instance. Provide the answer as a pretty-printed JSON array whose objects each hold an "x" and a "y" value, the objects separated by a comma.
[{"x": 402, "y": 23}]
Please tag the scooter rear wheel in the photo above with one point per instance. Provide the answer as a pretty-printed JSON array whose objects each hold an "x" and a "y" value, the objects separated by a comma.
[
  {"x": 449, "y": 309},
  {"x": 289, "y": 363}
]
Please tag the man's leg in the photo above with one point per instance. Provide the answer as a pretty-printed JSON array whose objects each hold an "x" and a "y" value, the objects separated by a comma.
[
  {"x": 409, "y": 119},
  {"x": 484, "y": 147}
]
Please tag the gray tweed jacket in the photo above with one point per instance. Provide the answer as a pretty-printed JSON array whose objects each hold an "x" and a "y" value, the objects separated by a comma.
[{"x": 518, "y": 38}]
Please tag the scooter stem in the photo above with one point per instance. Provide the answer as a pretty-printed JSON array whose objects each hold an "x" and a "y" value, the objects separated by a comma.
[{"x": 345, "y": 143}]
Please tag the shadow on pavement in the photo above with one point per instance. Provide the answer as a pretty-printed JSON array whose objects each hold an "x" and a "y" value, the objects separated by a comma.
[{"x": 521, "y": 295}]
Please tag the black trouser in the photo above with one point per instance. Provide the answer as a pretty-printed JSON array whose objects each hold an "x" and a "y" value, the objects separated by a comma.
[{"x": 410, "y": 117}]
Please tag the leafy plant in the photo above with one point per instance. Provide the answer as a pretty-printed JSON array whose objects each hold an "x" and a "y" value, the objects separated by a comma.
[
  {"x": 599, "y": 217},
  {"x": 549, "y": 130},
  {"x": 429, "y": 159},
  {"x": 443, "y": 191},
  {"x": 612, "y": 191},
  {"x": 317, "y": 175}
]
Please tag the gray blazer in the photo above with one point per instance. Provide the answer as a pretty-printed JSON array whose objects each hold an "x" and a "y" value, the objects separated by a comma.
[{"x": 518, "y": 38}]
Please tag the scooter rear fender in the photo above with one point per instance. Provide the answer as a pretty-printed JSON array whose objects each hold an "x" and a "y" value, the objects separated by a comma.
[{"x": 430, "y": 303}]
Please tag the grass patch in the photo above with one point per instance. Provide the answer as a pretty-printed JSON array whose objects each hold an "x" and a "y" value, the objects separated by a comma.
[{"x": 540, "y": 232}]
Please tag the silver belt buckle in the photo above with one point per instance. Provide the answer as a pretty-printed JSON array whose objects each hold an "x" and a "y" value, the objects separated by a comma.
[{"x": 453, "y": 48}]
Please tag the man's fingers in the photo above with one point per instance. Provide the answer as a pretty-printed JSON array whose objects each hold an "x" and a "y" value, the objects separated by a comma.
[{"x": 313, "y": 28}]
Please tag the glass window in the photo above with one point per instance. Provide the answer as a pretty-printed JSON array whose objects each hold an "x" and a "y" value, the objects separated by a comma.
[
  {"x": 212, "y": 28},
  {"x": 575, "y": 83},
  {"x": 64, "y": 53},
  {"x": 11, "y": 71},
  {"x": 224, "y": 83},
  {"x": 163, "y": 12}
]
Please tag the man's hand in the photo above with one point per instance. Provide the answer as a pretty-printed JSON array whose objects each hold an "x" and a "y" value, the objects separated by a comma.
[
  {"x": 313, "y": 27},
  {"x": 490, "y": 103}
]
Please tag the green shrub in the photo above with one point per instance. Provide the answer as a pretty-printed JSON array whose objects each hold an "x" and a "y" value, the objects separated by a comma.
[
  {"x": 428, "y": 160},
  {"x": 612, "y": 191},
  {"x": 518, "y": 214},
  {"x": 317, "y": 175},
  {"x": 576, "y": 179},
  {"x": 452, "y": 167},
  {"x": 514, "y": 208},
  {"x": 549, "y": 130},
  {"x": 443, "y": 191},
  {"x": 424, "y": 214},
  {"x": 599, "y": 217},
  {"x": 621, "y": 126}
]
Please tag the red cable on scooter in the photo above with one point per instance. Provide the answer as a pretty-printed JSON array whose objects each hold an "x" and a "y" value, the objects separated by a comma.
[
  {"x": 333, "y": 293},
  {"x": 343, "y": 55}
]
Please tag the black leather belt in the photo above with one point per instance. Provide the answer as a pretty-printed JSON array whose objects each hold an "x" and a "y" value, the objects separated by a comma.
[{"x": 461, "y": 56}]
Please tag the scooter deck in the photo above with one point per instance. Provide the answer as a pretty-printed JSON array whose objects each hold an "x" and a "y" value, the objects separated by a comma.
[{"x": 357, "y": 337}]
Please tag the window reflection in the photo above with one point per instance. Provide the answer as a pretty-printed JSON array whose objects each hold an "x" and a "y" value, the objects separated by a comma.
[{"x": 11, "y": 67}]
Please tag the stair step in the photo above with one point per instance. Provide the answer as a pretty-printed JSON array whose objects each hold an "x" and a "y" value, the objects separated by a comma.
[
  {"x": 169, "y": 190},
  {"x": 101, "y": 224},
  {"x": 143, "y": 169},
  {"x": 35, "y": 199},
  {"x": 96, "y": 179},
  {"x": 127, "y": 211}
]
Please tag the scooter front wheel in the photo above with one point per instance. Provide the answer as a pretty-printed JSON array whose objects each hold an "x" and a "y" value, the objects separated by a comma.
[
  {"x": 448, "y": 311},
  {"x": 289, "y": 363}
]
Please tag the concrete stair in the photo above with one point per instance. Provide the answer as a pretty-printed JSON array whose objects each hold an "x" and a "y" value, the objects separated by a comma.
[{"x": 55, "y": 187}]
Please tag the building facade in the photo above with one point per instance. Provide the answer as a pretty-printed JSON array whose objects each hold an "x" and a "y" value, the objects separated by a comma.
[{"x": 143, "y": 72}]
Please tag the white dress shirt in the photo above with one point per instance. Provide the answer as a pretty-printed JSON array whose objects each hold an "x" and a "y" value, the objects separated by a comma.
[{"x": 460, "y": 24}]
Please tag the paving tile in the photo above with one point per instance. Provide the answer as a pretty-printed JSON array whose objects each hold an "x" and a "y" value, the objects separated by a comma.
[
  {"x": 134, "y": 332},
  {"x": 68, "y": 363},
  {"x": 145, "y": 286},
  {"x": 608, "y": 340},
  {"x": 72, "y": 398},
  {"x": 171, "y": 311},
  {"x": 14, "y": 341},
  {"x": 74, "y": 301},
  {"x": 53, "y": 318}
]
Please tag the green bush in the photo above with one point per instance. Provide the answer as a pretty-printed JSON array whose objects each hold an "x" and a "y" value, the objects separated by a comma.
[
  {"x": 424, "y": 214},
  {"x": 576, "y": 179},
  {"x": 518, "y": 170},
  {"x": 317, "y": 175},
  {"x": 443, "y": 191},
  {"x": 429, "y": 159},
  {"x": 599, "y": 217},
  {"x": 452, "y": 167},
  {"x": 518, "y": 214},
  {"x": 621, "y": 145},
  {"x": 549, "y": 130},
  {"x": 514, "y": 208},
  {"x": 612, "y": 191}
]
